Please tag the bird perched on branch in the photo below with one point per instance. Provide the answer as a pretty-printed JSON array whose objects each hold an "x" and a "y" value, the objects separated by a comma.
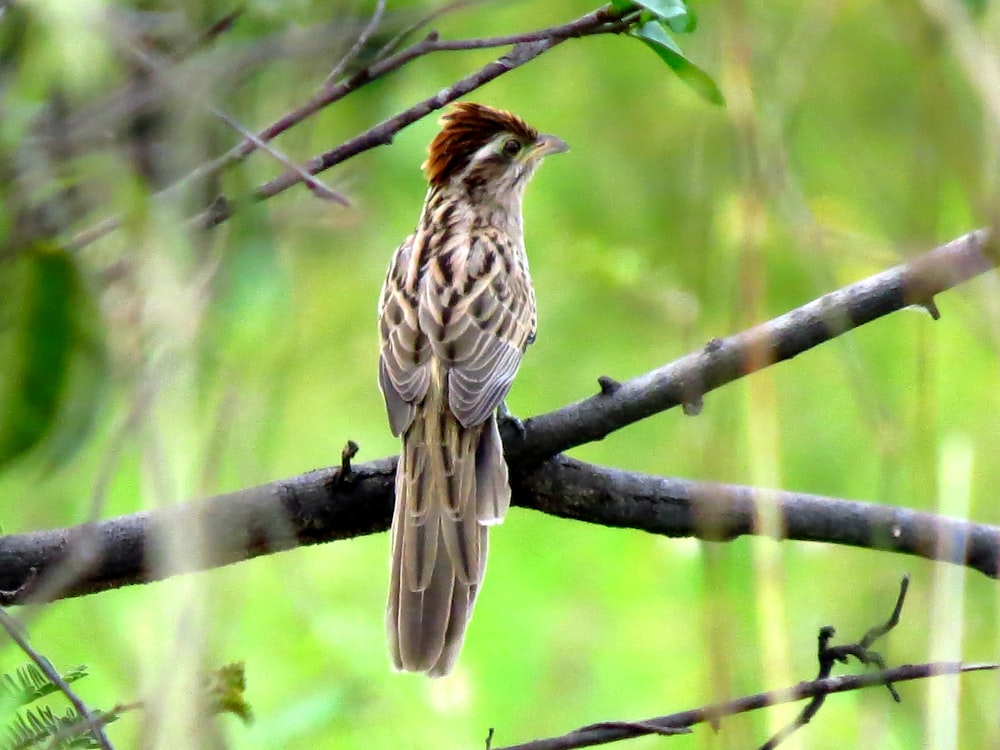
[{"x": 456, "y": 313}]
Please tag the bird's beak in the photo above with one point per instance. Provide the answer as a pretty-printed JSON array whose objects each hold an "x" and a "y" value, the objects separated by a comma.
[{"x": 548, "y": 144}]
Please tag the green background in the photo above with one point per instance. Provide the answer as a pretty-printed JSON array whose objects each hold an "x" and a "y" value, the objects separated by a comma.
[{"x": 856, "y": 135}]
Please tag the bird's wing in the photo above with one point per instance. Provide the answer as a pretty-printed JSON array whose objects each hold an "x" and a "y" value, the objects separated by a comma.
[
  {"x": 478, "y": 312},
  {"x": 403, "y": 374}
]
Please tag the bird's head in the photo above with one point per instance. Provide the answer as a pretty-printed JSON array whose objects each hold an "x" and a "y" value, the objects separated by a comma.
[{"x": 487, "y": 152}]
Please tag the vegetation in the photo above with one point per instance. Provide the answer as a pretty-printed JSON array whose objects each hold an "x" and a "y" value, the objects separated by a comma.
[{"x": 146, "y": 361}]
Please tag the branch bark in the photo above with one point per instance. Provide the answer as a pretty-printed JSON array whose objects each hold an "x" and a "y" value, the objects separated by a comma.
[
  {"x": 686, "y": 380},
  {"x": 326, "y": 505}
]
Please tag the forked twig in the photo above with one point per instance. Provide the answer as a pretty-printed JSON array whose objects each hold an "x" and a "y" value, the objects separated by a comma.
[
  {"x": 817, "y": 690},
  {"x": 830, "y": 655}
]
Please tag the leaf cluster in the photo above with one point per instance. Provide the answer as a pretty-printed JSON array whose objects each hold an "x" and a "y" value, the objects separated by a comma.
[
  {"x": 41, "y": 727},
  {"x": 658, "y": 21}
]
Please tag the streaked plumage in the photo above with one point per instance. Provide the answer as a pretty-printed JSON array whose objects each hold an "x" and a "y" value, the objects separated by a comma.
[{"x": 457, "y": 311}]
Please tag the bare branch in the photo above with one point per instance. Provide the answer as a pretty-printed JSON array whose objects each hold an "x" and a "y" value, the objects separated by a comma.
[
  {"x": 160, "y": 70},
  {"x": 421, "y": 23},
  {"x": 722, "y": 361},
  {"x": 607, "y": 732},
  {"x": 318, "y": 507},
  {"x": 527, "y": 46},
  {"x": 830, "y": 655},
  {"x": 358, "y": 45}
]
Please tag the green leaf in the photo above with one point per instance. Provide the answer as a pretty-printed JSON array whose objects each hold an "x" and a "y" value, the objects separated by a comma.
[
  {"x": 656, "y": 38},
  {"x": 674, "y": 13},
  {"x": 29, "y": 684},
  {"x": 665, "y": 9},
  {"x": 685, "y": 23},
  {"x": 52, "y": 371}
]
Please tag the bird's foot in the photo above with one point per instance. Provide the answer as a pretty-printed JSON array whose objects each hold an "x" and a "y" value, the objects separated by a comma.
[{"x": 505, "y": 417}]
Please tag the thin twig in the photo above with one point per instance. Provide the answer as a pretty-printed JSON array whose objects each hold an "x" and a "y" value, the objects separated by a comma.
[
  {"x": 359, "y": 43},
  {"x": 421, "y": 23},
  {"x": 157, "y": 68},
  {"x": 879, "y": 630},
  {"x": 607, "y": 732},
  {"x": 318, "y": 187},
  {"x": 93, "y": 723},
  {"x": 602, "y": 21},
  {"x": 209, "y": 35},
  {"x": 93, "y": 233},
  {"x": 527, "y": 47},
  {"x": 643, "y": 727},
  {"x": 102, "y": 719},
  {"x": 830, "y": 655}
]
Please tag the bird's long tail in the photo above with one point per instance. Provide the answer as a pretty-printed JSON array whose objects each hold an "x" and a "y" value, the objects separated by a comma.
[{"x": 451, "y": 485}]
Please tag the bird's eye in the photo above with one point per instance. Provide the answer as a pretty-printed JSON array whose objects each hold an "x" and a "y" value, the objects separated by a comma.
[{"x": 511, "y": 147}]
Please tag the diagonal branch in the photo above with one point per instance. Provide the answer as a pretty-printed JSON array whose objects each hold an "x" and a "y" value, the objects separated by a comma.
[
  {"x": 526, "y": 47},
  {"x": 687, "y": 380},
  {"x": 323, "y": 506},
  {"x": 156, "y": 67},
  {"x": 604, "y": 733},
  {"x": 602, "y": 21}
]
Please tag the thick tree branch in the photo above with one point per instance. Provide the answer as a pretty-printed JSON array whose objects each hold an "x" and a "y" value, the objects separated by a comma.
[
  {"x": 721, "y": 361},
  {"x": 324, "y": 506},
  {"x": 321, "y": 507},
  {"x": 672, "y": 507}
]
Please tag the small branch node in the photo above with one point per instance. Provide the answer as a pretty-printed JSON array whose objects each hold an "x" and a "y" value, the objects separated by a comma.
[
  {"x": 508, "y": 420},
  {"x": 713, "y": 345},
  {"x": 217, "y": 212},
  {"x": 489, "y": 739},
  {"x": 346, "y": 473},
  {"x": 931, "y": 307},
  {"x": 693, "y": 406},
  {"x": 10, "y": 598},
  {"x": 609, "y": 386}
]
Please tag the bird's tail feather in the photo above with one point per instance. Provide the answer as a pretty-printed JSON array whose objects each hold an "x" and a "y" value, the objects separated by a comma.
[{"x": 451, "y": 484}]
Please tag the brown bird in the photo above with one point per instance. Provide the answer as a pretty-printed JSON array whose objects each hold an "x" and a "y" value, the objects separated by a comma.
[{"x": 456, "y": 314}]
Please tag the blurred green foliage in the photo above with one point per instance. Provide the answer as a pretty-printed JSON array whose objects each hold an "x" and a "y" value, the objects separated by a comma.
[
  {"x": 52, "y": 346},
  {"x": 855, "y": 135}
]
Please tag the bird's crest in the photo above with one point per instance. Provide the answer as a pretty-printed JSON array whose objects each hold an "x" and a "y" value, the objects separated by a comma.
[{"x": 467, "y": 128}]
